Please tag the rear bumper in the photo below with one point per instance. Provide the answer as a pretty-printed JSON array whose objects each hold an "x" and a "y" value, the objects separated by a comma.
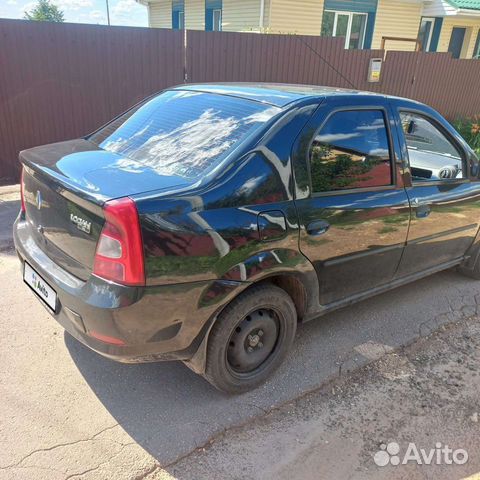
[{"x": 128, "y": 324}]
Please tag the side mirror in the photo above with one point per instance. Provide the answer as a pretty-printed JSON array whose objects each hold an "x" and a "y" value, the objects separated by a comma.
[{"x": 412, "y": 127}]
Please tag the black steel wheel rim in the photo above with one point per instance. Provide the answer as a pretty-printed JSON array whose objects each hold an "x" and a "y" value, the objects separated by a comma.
[{"x": 253, "y": 341}]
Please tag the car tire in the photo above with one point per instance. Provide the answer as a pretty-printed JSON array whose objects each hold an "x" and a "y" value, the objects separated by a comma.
[{"x": 250, "y": 339}]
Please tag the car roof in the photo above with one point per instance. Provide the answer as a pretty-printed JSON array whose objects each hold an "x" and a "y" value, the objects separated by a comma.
[{"x": 277, "y": 94}]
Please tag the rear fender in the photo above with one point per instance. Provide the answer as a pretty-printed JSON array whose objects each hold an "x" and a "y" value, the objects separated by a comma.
[
  {"x": 267, "y": 265},
  {"x": 276, "y": 262}
]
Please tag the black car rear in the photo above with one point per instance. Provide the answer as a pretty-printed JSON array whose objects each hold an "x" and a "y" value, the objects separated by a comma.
[
  {"x": 80, "y": 232},
  {"x": 66, "y": 226},
  {"x": 166, "y": 144}
]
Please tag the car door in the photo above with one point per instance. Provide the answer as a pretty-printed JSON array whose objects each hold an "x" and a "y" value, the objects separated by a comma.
[
  {"x": 352, "y": 207},
  {"x": 445, "y": 200}
]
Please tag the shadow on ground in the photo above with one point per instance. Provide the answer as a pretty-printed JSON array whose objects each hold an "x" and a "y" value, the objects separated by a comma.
[
  {"x": 169, "y": 410},
  {"x": 8, "y": 213}
]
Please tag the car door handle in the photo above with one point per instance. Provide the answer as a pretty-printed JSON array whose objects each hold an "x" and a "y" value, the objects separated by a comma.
[
  {"x": 318, "y": 227},
  {"x": 422, "y": 211}
]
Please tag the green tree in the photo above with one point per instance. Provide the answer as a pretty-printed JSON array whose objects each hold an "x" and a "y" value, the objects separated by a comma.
[{"x": 45, "y": 11}]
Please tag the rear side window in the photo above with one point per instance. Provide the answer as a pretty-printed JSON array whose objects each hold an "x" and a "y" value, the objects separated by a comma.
[
  {"x": 182, "y": 133},
  {"x": 351, "y": 151},
  {"x": 432, "y": 155}
]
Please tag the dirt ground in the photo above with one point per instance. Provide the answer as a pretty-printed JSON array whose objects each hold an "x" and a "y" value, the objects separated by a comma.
[{"x": 426, "y": 394}]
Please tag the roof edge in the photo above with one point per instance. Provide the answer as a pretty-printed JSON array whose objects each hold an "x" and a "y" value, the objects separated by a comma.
[{"x": 463, "y": 10}]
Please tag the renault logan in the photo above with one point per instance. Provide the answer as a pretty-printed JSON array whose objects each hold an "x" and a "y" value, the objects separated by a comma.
[{"x": 203, "y": 224}]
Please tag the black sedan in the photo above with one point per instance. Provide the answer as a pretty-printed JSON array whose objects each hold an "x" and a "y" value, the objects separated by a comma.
[{"x": 203, "y": 224}]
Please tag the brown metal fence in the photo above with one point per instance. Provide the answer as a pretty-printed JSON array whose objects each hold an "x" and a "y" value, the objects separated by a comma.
[
  {"x": 451, "y": 86},
  {"x": 60, "y": 81},
  {"x": 250, "y": 57}
]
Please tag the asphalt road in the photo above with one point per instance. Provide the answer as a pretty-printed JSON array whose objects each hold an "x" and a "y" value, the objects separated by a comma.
[{"x": 66, "y": 412}]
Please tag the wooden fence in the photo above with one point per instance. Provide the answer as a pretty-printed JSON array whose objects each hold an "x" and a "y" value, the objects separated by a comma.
[{"x": 60, "y": 81}]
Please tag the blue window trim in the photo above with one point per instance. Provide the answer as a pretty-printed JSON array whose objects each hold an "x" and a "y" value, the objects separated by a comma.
[
  {"x": 210, "y": 6},
  {"x": 437, "y": 28},
  {"x": 369, "y": 30},
  {"x": 361, "y": 6}
]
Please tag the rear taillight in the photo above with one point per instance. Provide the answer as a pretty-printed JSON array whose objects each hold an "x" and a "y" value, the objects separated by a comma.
[
  {"x": 119, "y": 255},
  {"x": 22, "y": 191}
]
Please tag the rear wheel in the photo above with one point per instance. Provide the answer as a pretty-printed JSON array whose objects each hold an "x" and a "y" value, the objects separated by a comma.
[{"x": 250, "y": 339}]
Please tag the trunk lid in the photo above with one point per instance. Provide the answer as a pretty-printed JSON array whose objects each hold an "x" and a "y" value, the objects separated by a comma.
[{"x": 65, "y": 186}]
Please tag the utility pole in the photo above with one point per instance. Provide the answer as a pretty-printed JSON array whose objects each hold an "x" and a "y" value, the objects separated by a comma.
[{"x": 108, "y": 13}]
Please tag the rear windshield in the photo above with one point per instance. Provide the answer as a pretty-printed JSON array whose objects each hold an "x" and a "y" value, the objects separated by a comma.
[{"x": 183, "y": 133}]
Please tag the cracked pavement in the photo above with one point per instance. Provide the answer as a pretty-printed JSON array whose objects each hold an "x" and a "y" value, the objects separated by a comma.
[{"x": 66, "y": 412}]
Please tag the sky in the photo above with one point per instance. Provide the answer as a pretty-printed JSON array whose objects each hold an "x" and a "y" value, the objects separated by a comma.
[{"x": 122, "y": 12}]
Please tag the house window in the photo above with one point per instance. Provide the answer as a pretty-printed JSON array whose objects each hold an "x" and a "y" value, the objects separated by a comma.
[
  {"x": 178, "y": 14},
  {"x": 213, "y": 15},
  {"x": 351, "y": 25},
  {"x": 217, "y": 20},
  {"x": 455, "y": 46},
  {"x": 476, "y": 50},
  {"x": 425, "y": 33}
]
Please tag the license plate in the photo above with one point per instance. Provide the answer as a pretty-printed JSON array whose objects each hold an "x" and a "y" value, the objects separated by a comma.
[{"x": 40, "y": 286}]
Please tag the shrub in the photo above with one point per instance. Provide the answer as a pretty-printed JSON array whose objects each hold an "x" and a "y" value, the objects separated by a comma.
[{"x": 469, "y": 129}]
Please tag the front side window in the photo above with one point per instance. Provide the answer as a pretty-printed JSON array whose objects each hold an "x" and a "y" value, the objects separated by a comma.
[
  {"x": 351, "y": 151},
  {"x": 432, "y": 155},
  {"x": 182, "y": 133},
  {"x": 350, "y": 25}
]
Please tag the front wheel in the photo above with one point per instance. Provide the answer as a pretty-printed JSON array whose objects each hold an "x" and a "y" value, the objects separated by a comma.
[{"x": 250, "y": 339}]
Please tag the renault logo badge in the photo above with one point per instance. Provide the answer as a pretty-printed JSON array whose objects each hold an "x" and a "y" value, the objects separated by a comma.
[{"x": 38, "y": 200}]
